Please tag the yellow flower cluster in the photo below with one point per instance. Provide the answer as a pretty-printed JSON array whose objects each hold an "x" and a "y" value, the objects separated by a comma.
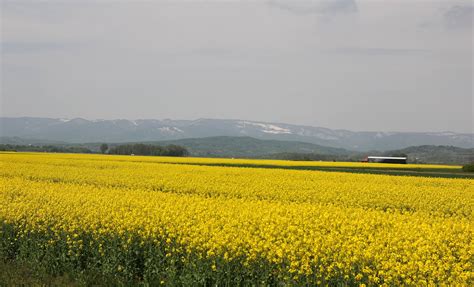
[{"x": 293, "y": 227}]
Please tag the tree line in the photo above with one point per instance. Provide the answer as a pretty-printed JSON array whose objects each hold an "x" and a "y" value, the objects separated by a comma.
[
  {"x": 44, "y": 148},
  {"x": 125, "y": 149},
  {"x": 145, "y": 149}
]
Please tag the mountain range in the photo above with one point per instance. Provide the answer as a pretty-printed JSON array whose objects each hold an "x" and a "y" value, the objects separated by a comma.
[{"x": 80, "y": 130}]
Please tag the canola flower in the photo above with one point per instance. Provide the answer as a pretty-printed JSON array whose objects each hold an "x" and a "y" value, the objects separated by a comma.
[
  {"x": 248, "y": 162},
  {"x": 168, "y": 223}
]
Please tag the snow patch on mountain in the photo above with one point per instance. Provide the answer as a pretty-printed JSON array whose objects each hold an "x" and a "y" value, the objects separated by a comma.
[
  {"x": 172, "y": 130},
  {"x": 266, "y": 128}
]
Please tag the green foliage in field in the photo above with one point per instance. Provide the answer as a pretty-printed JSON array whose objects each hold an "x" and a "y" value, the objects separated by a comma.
[
  {"x": 468, "y": 167},
  {"x": 145, "y": 149}
]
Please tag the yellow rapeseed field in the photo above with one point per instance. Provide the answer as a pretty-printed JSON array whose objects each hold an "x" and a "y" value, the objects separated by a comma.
[{"x": 176, "y": 221}]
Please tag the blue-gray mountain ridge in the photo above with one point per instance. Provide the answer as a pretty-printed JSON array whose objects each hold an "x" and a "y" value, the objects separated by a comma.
[{"x": 80, "y": 130}]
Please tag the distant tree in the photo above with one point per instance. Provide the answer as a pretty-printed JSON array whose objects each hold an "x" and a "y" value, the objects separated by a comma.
[
  {"x": 468, "y": 167},
  {"x": 154, "y": 150},
  {"x": 176, "y": 150},
  {"x": 104, "y": 147},
  {"x": 46, "y": 148}
]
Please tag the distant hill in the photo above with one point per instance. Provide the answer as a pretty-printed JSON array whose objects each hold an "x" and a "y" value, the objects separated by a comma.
[
  {"x": 437, "y": 154},
  {"x": 434, "y": 154},
  {"x": 82, "y": 131},
  {"x": 248, "y": 147}
]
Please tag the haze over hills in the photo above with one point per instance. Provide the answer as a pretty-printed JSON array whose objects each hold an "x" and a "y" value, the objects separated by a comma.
[
  {"x": 436, "y": 154},
  {"x": 248, "y": 147},
  {"x": 80, "y": 130}
]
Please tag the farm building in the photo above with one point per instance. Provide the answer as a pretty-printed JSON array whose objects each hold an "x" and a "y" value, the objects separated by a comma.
[{"x": 386, "y": 159}]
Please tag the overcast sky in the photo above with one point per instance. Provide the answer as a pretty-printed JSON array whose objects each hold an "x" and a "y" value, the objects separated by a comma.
[{"x": 358, "y": 65}]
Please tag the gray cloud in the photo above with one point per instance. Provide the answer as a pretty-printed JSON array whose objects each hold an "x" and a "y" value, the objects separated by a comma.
[
  {"x": 34, "y": 47},
  {"x": 239, "y": 59},
  {"x": 315, "y": 6},
  {"x": 379, "y": 51},
  {"x": 459, "y": 17}
]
